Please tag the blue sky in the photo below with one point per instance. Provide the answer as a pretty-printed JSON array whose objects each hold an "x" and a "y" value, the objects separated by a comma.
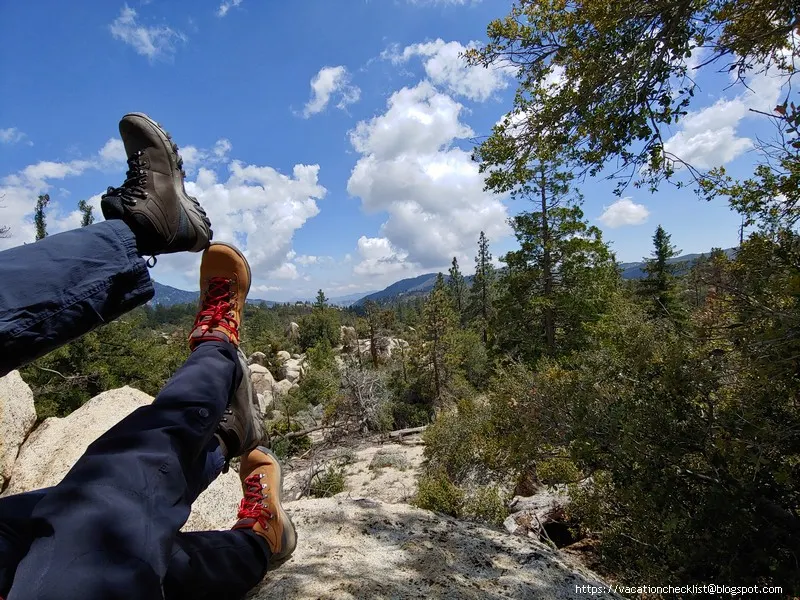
[{"x": 330, "y": 140}]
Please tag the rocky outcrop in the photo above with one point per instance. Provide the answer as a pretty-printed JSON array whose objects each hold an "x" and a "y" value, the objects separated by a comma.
[
  {"x": 17, "y": 418},
  {"x": 282, "y": 387},
  {"x": 55, "y": 445},
  {"x": 362, "y": 548},
  {"x": 386, "y": 347},
  {"x": 257, "y": 358},
  {"x": 282, "y": 356},
  {"x": 293, "y": 332},
  {"x": 348, "y": 338},
  {"x": 292, "y": 369},
  {"x": 366, "y": 542}
]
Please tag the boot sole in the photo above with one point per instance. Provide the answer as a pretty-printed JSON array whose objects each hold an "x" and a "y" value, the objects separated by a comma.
[
  {"x": 194, "y": 211},
  {"x": 277, "y": 563}
]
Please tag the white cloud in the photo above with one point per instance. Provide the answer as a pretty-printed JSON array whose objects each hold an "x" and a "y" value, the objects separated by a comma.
[
  {"x": 709, "y": 138},
  {"x": 330, "y": 82},
  {"x": 306, "y": 260},
  {"x": 226, "y": 6},
  {"x": 624, "y": 212},
  {"x": 12, "y": 135},
  {"x": 152, "y": 42},
  {"x": 432, "y": 191},
  {"x": 285, "y": 271},
  {"x": 194, "y": 157},
  {"x": 256, "y": 207},
  {"x": 113, "y": 152},
  {"x": 379, "y": 257},
  {"x": 446, "y": 67}
]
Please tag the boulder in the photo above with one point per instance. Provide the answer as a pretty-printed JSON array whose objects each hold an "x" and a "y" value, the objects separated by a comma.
[
  {"x": 257, "y": 358},
  {"x": 283, "y": 356},
  {"x": 291, "y": 370},
  {"x": 282, "y": 387},
  {"x": 17, "y": 418},
  {"x": 293, "y": 332},
  {"x": 258, "y": 368},
  {"x": 68, "y": 437},
  {"x": 262, "y": 380},
  {"x": 348, "y": 338},
  {"x": 296, "y": 356}
]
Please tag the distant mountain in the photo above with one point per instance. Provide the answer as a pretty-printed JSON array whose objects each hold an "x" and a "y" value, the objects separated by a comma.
[
  {"x": 346, "y": 301},
  {"x": 166, "y": 295},
  {"x": 418, "y": 286},
  {"x": 635, "y": 270},
  {"x": 404, "y": 287}
]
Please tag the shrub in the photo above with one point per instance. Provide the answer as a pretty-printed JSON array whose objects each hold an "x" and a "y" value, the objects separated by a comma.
[
  {"x": 486, "y": 504},
  {"x": 328, "y": 483},
  {"x": 384, "y": 459},
  {"x": 436, "y": 492},
  {"x": 283, "y": 447}
]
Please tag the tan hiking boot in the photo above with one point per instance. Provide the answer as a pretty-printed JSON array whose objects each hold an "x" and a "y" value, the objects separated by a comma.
[
  {"x": 261, "y": 510},
  {"x": 224, "y": 284}
]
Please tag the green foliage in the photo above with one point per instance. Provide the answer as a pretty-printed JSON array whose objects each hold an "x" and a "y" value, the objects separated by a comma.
[
  {"x": 283, "y": 447},
  {"x": 121, "y": 353},
  {"x": 321, "y": 382},
  {"x": 457, "y": 288},
  {"x": 437, "y": 493},
  {"x": 559, "y": 292},
  {"x": 405, "y": 414},
  {"x": 640, "y": 82},
  {"x": 659, "y": 288},
  {"x": 39, "y": 218},
  {"x": 461, "y": 443},
  {"x": 438, "y": 320},
  {"x": 87, "y": 218},
  {"x": 322, "y": 323},
  {"x": 479, "y": 307},
  {"x": 486, "y": 505},
  {"x": 328, "y": 483},
  {"x": 383, "y": 459}
]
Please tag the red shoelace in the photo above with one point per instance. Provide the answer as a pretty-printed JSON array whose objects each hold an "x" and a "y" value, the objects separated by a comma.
[
  {"x": 252, "y": 505},
  {"x": 216, "y": 311}
]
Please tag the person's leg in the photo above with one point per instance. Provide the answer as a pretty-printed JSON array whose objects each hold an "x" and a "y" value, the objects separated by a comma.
[
  {"x": 113, "y": 519},
  {"x": 115, "y": 515},
  {"x": 218, "y": 565},
  {"x": 64, "y": 286},
  {"x": 18, "y": 528}
]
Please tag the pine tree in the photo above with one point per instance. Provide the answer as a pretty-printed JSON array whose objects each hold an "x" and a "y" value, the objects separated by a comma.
[
  {"x": 547, "y": 298},
  {"x": 457, "y": 288},
  {"x": 86, "y": 210},
  {"x": 480, "y": 296},
  {"x": 438, "y": 320},
  {"x": 39, "y": 218},
  {"x": 659, "y": 287}
]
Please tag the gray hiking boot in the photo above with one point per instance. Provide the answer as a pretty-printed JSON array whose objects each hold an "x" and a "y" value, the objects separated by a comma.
[
  {"x": 152, "y": 201},
  {"x": 242, "y": 425}
]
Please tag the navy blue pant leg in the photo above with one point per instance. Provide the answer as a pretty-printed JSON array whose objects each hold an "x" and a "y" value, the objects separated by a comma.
[
  {"x": 110, "y": 525},
  {"x": 57, "y": 289}
]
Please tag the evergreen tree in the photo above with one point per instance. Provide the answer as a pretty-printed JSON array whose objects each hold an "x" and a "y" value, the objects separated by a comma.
[
  {"x": 659, "y": 287},
  {"x": 39, "y": 218},
  {"x": 86, "y": 210},
  {"x": 438, "y": 320},
  {"x": 481, "y": 292},
  {"x": 457, "y": 288},
  {"x": 547, "y": 298}
]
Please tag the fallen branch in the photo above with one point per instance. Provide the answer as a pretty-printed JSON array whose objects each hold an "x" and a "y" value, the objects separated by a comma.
[
  {"x": 403, "y": 432},
  {"x": 296, "y": 434}
]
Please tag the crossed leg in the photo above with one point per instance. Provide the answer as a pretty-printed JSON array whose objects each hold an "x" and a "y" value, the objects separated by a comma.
[{"x": 109, "y": 529}]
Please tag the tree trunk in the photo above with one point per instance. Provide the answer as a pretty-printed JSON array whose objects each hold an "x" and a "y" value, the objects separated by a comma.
[{"x": 547, "y": 273}]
